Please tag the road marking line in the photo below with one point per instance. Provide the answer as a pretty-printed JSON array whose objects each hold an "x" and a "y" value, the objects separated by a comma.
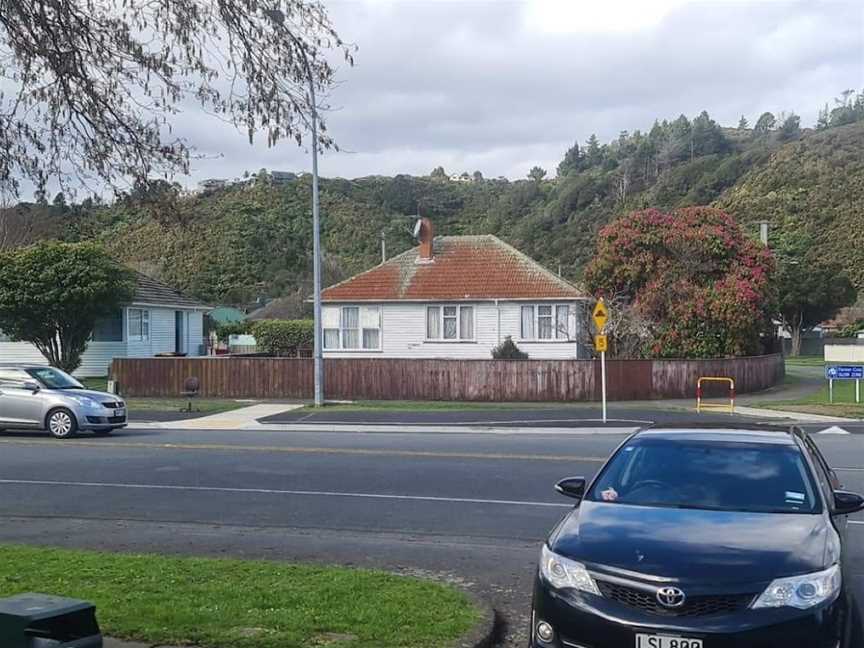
[
  {"x": 269, "y": 491},
  {"x": 302, "y": 450},
  {"x": 855, "y": 522},
  {"x": 834, "y": 429}
]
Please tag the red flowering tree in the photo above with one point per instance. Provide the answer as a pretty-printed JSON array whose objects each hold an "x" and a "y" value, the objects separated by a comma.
[{"x": 692, "y": 274}]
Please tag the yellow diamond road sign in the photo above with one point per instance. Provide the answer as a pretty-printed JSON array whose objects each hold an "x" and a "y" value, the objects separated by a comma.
[
  {"x": 601, "y": 315},
  {"x": 600, "y": 343}
]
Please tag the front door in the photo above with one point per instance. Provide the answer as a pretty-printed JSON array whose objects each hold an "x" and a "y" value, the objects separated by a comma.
[
  {"x": 179, "y": 332},
  {"x": 18, "y": 406}
]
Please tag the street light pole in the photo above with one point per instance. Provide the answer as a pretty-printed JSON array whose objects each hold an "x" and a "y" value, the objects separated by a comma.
[
  {"x": 318, "y": 357},
  {"x": 316, "y": 247}
]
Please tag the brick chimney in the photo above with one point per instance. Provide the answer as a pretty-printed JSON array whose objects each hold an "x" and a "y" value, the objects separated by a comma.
[{"x": 425, "y": 235}]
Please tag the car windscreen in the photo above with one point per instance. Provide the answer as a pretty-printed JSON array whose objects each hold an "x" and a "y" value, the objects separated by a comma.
[
  {"x": 726, "y": 476},
  {"x": 54, "y": 378}
]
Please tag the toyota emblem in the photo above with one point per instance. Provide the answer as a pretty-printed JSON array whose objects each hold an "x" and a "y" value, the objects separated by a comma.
[{"x": 671, "y": 597}]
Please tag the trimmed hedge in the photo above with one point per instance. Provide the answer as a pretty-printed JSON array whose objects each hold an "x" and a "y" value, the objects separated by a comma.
[{"x": 283, "y": 337}]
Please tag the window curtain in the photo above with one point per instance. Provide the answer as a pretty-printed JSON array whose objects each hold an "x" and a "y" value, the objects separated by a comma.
[
  {"x": 351, "y": 327},
  {"x": 370, "y": 319},
  {"x": 433, "y": 323},
  {"x": 450, "y": 324},
  {"x": 528, "y": 323},
  {"x": 544, "y": 322},
  {"x": 562, "y": 322},
  {"x": 466, "y": 323}
]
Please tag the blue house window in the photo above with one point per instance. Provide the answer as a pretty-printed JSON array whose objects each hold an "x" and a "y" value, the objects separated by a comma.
[{"x": 109, "y": 329}]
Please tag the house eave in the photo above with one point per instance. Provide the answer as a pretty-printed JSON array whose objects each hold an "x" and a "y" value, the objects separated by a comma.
[
  {"x": 137, "y": 304},
  {"x": 426, "y": 300}
]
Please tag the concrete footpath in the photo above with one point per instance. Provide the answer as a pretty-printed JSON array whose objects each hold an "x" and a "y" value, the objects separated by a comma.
[{"x": 586, "y": 419}]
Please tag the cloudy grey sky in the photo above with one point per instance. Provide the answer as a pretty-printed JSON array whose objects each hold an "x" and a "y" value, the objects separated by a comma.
[{"x": 500, "y": 86}]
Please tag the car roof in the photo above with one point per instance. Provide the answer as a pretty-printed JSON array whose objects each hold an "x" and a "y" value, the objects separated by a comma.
[
  {"x": 18, "y": 365},
  {"x": 722, "y": 433}
]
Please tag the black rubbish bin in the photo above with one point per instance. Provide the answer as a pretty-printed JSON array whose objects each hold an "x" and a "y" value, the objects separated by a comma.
[{"x": 45, "y": 621}]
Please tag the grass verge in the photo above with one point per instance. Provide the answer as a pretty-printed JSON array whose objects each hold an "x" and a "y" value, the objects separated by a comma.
[
  {"x": 805, "y": 361},
  {"x": 818, "y": 402},
  {"x": 204, "y": 405},
  {"x": 217, "y": 603}
]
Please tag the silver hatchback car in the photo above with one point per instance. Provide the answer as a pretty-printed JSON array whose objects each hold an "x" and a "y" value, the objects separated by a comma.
[{"x": 45, "y": 398}]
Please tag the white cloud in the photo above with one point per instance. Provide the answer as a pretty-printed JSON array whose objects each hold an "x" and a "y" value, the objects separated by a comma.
[{"x": 501, "y": 86}]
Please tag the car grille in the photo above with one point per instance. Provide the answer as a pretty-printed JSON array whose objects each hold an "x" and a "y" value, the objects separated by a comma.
[
  {"x": 104, "y": 420},
  {"x": 697, "y": 605},
  {"x": 113, "y": 405}
]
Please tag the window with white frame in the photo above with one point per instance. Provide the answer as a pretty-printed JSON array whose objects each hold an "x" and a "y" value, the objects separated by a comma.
[
  {"x": 545, "y": 322},
  {"x": 138, "y": 325},
  {"x": 352, "y": 328},
  {"x": 450, "y": 323}
]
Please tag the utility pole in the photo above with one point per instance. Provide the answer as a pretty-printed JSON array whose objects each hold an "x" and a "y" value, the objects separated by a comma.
[
  {"x": 383, "y": 247},
  {"x": 279, "y": 18},
  {"x": 763, "y": 232}
]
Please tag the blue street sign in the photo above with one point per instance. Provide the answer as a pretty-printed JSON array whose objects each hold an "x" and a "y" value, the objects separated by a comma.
[{"x": 844, "y": 372}]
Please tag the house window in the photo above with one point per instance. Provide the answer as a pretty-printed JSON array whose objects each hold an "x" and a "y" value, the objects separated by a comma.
[
  {"x": 109, "y": 329},
  {"x": 450, "y": 323},
  {"x": 352, "y": 328},
  {"x": 139, "y": 324},
  {"x": 545, "y": 322}
]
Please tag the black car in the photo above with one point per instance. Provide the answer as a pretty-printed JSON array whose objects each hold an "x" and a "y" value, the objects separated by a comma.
[{"x": 701, "y": 538}]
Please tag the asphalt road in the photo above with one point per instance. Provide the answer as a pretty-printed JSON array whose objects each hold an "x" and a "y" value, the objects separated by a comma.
[{"x": 467, "y": 508}]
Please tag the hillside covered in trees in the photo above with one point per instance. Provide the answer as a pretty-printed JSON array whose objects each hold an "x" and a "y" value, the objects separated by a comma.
[{"x": 253, "y": 239}]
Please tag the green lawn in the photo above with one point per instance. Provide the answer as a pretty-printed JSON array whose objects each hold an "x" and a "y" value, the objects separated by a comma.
[
  {"x": 204, "y": 405},
  {"x": 218, "y": 603},
  {"x": 805, "y": 361},
  {"x": 818, "y": 403}
]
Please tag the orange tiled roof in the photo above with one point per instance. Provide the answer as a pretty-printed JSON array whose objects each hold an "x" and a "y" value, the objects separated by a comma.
[{"x": 463, "y": 268}]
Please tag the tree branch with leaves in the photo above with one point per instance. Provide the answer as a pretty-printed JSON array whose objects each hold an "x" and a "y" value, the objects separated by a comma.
[
  {"x": 52, "y": 294},
  {"x": 93, "y": 86}
]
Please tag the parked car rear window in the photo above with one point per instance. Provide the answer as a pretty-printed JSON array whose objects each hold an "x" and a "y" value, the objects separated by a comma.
[
  {"x": 708, "y": 475},
  {"x": 54, "y": 378}
]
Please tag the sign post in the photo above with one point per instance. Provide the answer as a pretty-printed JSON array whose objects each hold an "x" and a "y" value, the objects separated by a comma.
[
  {"x": 601, "y": 316},
  {"x": 844, "y": 372}
]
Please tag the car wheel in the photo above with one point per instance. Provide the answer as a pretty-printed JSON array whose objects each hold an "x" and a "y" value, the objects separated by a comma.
[{"x": 62, "y": 424}]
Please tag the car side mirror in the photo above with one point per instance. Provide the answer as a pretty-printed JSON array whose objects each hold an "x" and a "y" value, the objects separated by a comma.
[
  {"x": 32, "y": 385},
  {"x": 846, "y": 503},
  {"x": 572, "y": 487}
]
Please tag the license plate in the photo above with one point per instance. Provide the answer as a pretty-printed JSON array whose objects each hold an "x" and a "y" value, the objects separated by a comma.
[
  {"x": 663, "y": 641},
  {"x": 119, "y": 412}
]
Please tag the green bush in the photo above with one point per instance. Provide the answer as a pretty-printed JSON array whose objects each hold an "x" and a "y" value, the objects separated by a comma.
[
  {"x": 851, "y": 330},
  {"x": 225, "y": 331},
  {"x": 283, "y": 337},
  {"x": 508, "y": 350}
]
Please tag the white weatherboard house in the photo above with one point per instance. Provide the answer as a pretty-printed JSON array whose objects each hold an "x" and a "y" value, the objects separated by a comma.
[
  {"x": 453, "y": 297},
  {"x": 159, "y": 320}
]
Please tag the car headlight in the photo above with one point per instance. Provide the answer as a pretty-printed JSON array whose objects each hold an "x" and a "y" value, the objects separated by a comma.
[
  {"x": 86, "y": 402},
  {"x": 562, "y": 572},
  {"x": 802, "y": 592}
]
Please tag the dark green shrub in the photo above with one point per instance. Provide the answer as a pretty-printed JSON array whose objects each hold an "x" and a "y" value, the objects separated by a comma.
[
  {"x": 283, "y": 337},
  {"x": 225, "y": 331},
  {"x": 508, "y": 350}
]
